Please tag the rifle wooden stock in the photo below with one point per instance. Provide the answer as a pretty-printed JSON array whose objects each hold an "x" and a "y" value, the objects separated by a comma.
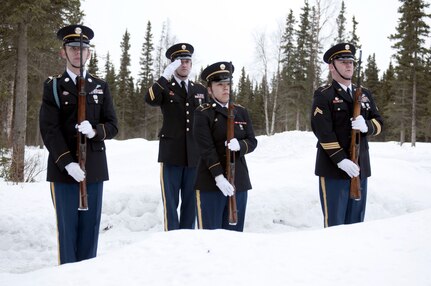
[
  {"x": 230, "y": 156},
  {"x": 355, "y": 182},
  {"x": 82, "y": 139},
  {"x": 82, "y": 144}
]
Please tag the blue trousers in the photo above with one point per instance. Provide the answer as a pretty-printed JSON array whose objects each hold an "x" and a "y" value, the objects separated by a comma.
[
  {"x": 213, "y": 213},
  {"x": 78, "y": 231},
  {"x": 178, "y": 181},
  {"x": 337, "y": 207}
]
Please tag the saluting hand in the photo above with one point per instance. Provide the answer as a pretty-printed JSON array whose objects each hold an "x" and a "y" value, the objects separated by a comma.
[{"x": 171, "y": 68}]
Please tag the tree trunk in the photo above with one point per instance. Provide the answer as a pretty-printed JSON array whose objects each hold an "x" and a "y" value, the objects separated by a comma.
[
  {"x": 20, "y": 108},
  {"x": 414, "y": 96}
]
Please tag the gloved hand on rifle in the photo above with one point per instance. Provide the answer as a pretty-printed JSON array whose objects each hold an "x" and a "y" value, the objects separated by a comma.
[
  {"x": 233, "y": 145},
  {"x": 349, "y": 167},
  {"x": 359, "y": 124},
  {"x": 223, "y": 184},
  {"x": 171, "y": 68},
  {"x": 75, "y": 171},
  {"x": 86, "y": 129}
]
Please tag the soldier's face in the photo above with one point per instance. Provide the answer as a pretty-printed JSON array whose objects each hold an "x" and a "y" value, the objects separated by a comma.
[
  {"x": 184, "y": 69},
  {"x": 220, "y": 91},
  {"x": 345, "y": 67},
  {"x": 72, "y": 55}
]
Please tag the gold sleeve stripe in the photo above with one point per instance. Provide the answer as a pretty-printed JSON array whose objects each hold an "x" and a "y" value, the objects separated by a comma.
[
  {"x": 318, "y": 111},
  {"x": 104, "y": 132},
  {"x": 336, "y": 152},
  {"x": 159, "y": 85},
  {"x": 218, "y": 163},
  {"x": 58, "y": 159},
  {"x": 151, "y": 93},
  {"x": 378, "y": 126},
  {"x": 329, "y": 146}
]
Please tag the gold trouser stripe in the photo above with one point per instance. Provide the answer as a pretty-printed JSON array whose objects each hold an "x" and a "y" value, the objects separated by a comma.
[
  {"x": 56, "y": 219},
  {"x": 199, "y": 209},
  {"x": 162, "y": 185},
  {"x": 325, "y": 203}
]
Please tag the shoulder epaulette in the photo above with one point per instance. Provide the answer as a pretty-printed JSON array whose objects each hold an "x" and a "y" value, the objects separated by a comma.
[
  {"x": 204, "y": 106},
  {"x": 325, "y": 87},
  {"x": 363, "y": 87},
  {"x": 53, "y": 76},
  {"x": 95, "y": 76}
]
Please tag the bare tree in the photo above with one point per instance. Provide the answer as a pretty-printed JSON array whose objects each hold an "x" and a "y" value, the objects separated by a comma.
[{"x": 261, "y": 51}]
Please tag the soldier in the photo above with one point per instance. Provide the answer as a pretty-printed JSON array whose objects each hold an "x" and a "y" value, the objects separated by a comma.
[
  {"x": 177, "y": 97},
  {"x": 332, "y": 123},
  {"x": 212, "y": 187},
  {"x": 78, "y": 231}
]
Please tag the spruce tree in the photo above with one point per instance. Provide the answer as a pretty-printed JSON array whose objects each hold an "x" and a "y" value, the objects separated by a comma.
[
  {"x": 412, "y": 31},
  {"x": 148, "y": 114},
  {"x": 341, "y": 25},
  {"x": 123, "y": 99}
]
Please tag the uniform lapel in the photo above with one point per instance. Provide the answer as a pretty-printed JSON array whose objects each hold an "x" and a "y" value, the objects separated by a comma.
[
  {"x": 68, "y": 84},
  {"x": 341, "y": 92}
]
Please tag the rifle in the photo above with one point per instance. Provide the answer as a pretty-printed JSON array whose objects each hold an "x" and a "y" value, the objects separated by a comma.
[
  {"x": 230, "y": 155},
  {"x": 82, "y": 139},
  {"x": 355, "y": 182}
]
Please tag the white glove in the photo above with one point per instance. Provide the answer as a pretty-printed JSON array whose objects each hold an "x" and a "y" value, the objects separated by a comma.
[
  {"x": 171, "y": 68},
  {"x": 349, "y": 167},
  {"x": 233, "y": 145},
  {"x": 86, "y": 129},
  {"x": 223, "y": 184},
  {"x": 359, "y": 124},
  {"x": 75, "y": 171}
]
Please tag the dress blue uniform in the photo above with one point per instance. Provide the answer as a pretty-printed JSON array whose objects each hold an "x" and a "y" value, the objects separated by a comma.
[
  {"x": 77, "y": 230},
  {"x": 332, "y": 111},
  {"x": 177, "y": 148},
  {"x": 211, "y": 132}
]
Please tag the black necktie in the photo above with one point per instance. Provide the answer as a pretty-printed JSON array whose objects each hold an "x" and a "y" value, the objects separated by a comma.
[
  {"x": 183, "y": 86},
  {"x": 348, "y": 92}
]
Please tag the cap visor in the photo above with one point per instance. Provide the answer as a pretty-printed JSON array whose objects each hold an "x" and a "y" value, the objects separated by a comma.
[{"x": 77, "y": 44}]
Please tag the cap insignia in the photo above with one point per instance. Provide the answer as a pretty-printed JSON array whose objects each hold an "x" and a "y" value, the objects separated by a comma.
[
  {"x": 347, "y": 47},
  {"x": 222, "y": 66},
  {"x": 183, "y": 47}
]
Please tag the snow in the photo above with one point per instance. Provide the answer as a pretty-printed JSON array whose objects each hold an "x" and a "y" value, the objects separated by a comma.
[{"x": 284, "y": 242}]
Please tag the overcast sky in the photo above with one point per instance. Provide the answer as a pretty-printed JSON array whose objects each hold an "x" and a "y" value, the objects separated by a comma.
[{"x": 227, "y": 29}]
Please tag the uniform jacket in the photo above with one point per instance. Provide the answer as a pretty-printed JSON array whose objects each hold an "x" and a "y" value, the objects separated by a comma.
[
  {"x": 176, "y": 143},
  {"x": 332, "y": 111},
  {"x": 210, "y": 133},
  {"x": 57, "y": 127}
]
